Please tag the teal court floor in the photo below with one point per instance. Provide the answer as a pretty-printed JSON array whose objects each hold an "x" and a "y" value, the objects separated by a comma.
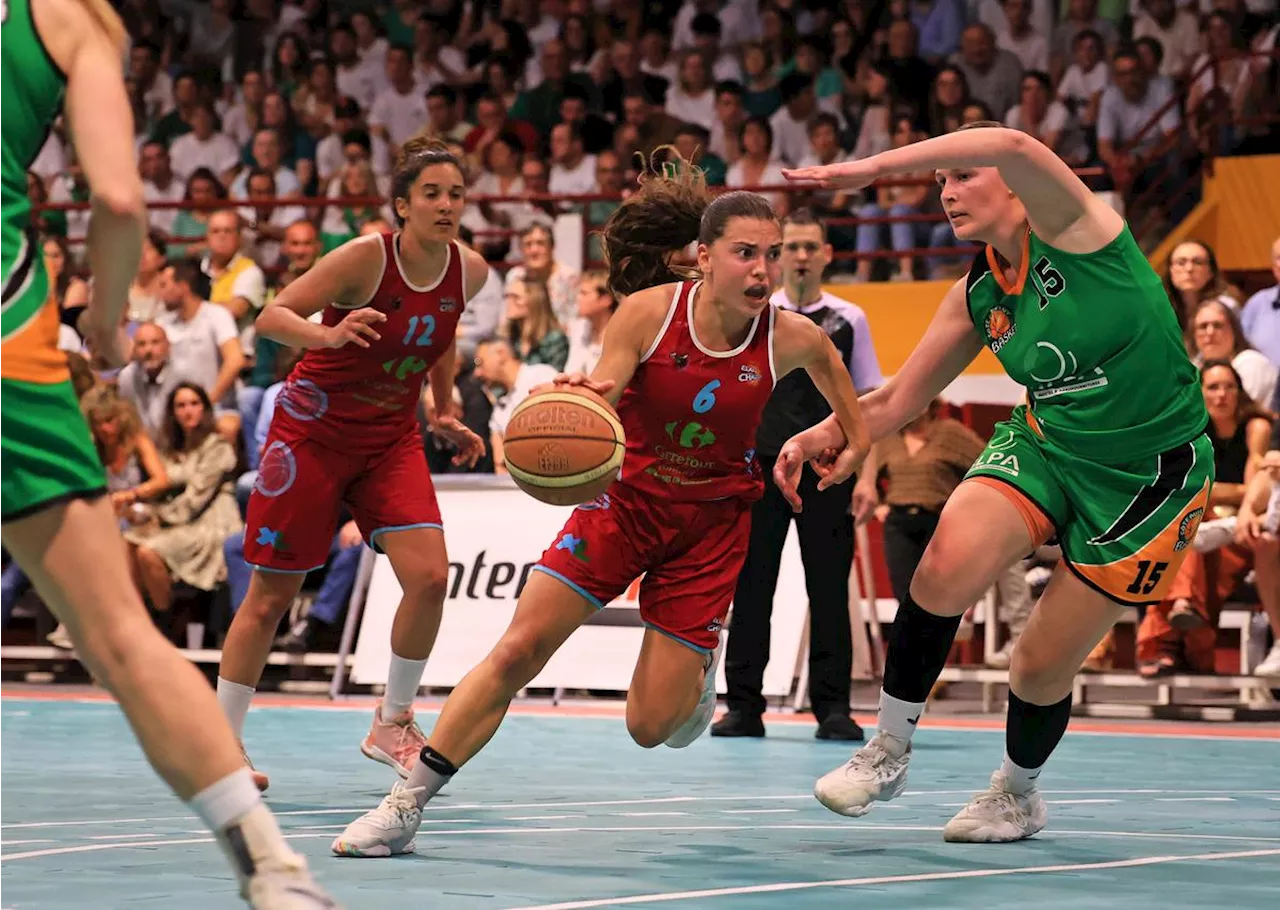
[{"x": 563, "y": 812}]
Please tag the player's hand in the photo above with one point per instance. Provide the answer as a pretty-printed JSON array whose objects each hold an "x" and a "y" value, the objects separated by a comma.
[
  {"x": 786, "y": 473},
  {"x": 601, "y": 387},
  {"x": 357, "y": 328},
  {"x": 109, "y": 345},
  {"x": 864, "y": 505},
  {"x": 848, "y": 175},
  {"x": 453, "y": 431}
]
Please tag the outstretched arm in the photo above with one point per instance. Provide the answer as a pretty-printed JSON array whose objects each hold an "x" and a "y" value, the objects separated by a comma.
[
  {"x": 799, "y": 343},
  {"x": 948, "y": 346},
  {"x": 1062, "y": 210}
]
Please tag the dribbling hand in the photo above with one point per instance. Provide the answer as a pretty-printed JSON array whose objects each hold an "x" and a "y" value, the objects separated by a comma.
[
  {"x": 601, "y": 387},
  {"x": 357, "y": 328}
]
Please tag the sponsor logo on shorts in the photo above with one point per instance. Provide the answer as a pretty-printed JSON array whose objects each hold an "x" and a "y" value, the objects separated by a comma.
[
  {"x": 749, "y": 372},
  {"x": 1000, "y": 328},
  {"x": 1005, "y": 463},
  {"x": 715, "y": 625},
  {"x": 269, "y": 538},
  {"x": 1187, "y": 529},
  {"x": 576, "y": 546}
]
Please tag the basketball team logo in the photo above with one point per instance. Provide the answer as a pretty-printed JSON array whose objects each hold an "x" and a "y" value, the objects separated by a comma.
[
  {"x": 680, "y": 359},
  {"x": 448, "y": 305},
  {"x": 1000, "y": 328},
  {"x": 303, "y": 400},
  {"x": 1187, "y": 528},
  {"x": 277, "y": 470},
  {"x": 749, "y": 372}
]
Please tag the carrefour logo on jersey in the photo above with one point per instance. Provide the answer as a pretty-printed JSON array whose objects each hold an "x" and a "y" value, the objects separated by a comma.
[{"x": 1000, "y": 328}]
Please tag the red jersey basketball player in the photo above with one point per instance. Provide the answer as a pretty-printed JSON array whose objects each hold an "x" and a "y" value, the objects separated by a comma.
[
  {"x": 690, "y": 365},
  {"x": 345, "y": 431}
]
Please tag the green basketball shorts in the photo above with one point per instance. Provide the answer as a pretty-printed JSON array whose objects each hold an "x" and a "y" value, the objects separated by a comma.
[
  {"x": 46, "y": 453},
  {"x": 1124, "y": 528}
]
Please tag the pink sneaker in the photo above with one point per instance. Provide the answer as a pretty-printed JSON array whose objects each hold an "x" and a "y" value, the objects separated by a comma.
[
  {"x": 396, "y": 742},
  {"x": 260, "y": 780}
]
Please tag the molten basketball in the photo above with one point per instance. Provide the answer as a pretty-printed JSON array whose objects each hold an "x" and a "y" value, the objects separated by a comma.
[{"x": 564, "y": 446}]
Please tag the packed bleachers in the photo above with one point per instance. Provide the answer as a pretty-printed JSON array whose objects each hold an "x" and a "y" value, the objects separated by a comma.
[{"x": 266, "y": 133}]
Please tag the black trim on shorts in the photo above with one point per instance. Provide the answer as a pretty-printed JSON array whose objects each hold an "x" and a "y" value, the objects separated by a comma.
[
  {"x": 23, "y": 267},
  {"x": 1066, "y": 561},
  {"x": 61, "y": 499}
]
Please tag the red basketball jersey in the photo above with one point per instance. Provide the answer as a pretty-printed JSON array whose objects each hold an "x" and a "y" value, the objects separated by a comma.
[
  {"x": 364, "y": 399},
  {"x": 691, "y": 413}
]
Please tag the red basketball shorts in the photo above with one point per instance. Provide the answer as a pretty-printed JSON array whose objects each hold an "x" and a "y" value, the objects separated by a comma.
[
  {"x": 302, "y": 486},
  {"x": 690, "y": 554}
]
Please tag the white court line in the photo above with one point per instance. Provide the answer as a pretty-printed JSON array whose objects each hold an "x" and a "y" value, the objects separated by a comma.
[
  {"x": 550, "y": 818},
  {"x": 754, "y": 811},
  {"x": 558, "y": 804},
  {"x": 894, "y": 879},
  {"x": 649, "y": 814},
  {"x": 620, "y": 829},
  {"x": 1079, "y": 802},
  {"x": 14, "y": 843},
  {"x": 127, "y": 836},
  {"x": 1194, "y": 799}
]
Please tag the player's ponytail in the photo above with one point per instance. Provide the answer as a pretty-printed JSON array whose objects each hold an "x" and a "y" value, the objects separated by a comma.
[
  {"x": 671, "y": 210},
  {"x": 415, "y": 155}
]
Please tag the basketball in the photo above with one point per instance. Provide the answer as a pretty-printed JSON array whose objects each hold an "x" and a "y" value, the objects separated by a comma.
[{"x": 564, "y": 446}]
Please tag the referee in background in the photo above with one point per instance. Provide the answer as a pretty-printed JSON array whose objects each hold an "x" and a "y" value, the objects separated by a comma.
[{"x": 825, "y": 525}]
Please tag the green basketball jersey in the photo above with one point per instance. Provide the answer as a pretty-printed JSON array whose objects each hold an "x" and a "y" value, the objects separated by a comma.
[
  {"x": 1096, "y": 343},
  {"x": 30, "y": 98}
]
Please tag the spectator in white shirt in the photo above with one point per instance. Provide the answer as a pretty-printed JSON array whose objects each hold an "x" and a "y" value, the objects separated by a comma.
[
  {"x": 338, "y": 149},
  {"x": 1021, "y": 39},
  {"x": 596, "y": 305},
  {"x": 238, "y": 283},
  {"x": 267, "y": 155},
  {"x": 204, "y": 346},
  {"x": 150, "y": 377},
  {"x": 153, "y": 84},
  {"x": 824, "y": 148},
  {"x": 354, "y": 77},
  {"x": 498, "y": 368},
  {"x": 1219, "y": 336},
  {"x": 435, "y": 60},
  {"x": 790, "y": 123},
  {"x": 203, "y": 146},
  {"x": 1038, "y": 115},
  {"x": 265, "y": 224},
  {"x": 1082, "y": 15},
  {"x": 725, "y": 128},
  {"x": 757, "y": 166},
  {"x": 1177, "y": 30},
  {"x": 1086, "y": 79},
  {"x": 401, "y": 109},
  {"x": 1261, "y": 315},
  {"x": 655, "y": 56},
  {"x": 692, "y": 99},
  {"x": 708, "y": 34},
  {"x": 735, "y": 29},
  {"x": 159, "y": 184},
  {"x": 572, "y": 170}
]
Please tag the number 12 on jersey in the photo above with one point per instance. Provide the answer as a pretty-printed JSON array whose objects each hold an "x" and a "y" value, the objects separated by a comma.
[{"x": 428, "y": 329}]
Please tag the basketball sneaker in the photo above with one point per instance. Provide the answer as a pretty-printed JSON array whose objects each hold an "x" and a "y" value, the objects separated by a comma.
[
  {"x": 876, "y": 773},
  {"x": 386, "y": 830},
  {"x": 997, "y": 815},
  {"x": 700, "y": 719},
  {"x": 396, "y": 741}
]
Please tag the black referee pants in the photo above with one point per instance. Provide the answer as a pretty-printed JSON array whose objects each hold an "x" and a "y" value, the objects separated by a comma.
[{"x": 826, "y": 550}]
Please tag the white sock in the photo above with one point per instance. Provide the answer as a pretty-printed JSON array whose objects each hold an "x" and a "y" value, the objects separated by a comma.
[
  {"x": 231, "y": 798},
  {"x": 234, "y": 698},
  {"x": 898, "y": 718},
  {"x": 403, "y": 680},
  {"x": 1020, "y": 780}
]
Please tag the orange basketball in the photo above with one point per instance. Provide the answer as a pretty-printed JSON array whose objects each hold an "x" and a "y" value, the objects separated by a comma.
[
  {"x": 997, "y": 323},
  {"x": 564, "y": 446}
]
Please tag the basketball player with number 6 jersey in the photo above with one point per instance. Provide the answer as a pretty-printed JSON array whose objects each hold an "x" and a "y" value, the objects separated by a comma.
[
  {"x": 345, "y": 431},
  {"x": 690, "y": 365}
]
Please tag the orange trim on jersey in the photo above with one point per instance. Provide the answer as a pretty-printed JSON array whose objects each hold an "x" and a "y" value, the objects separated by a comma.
[
  {"x": 1033, "y": 421},
  {"x": 32, "y": 354},
  {"x": 1161, "y": 557},
  {"x": 997, "y": 271},
  {"x": 1038, "y": 524}
]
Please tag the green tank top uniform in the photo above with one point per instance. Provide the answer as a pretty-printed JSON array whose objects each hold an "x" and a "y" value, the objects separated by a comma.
[{"x": 1109, "y": 453}]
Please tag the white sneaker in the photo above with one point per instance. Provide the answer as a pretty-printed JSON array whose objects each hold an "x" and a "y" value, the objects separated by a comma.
[
  {"x": 1270, "y": 666},
  {"x": 997, "y": 816},
  {"x": 286, "y": 885},
  {"x": 387, "y": 830},
  {"x": 875, "y": 773},
  {"x": 700, "y": 719}
]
